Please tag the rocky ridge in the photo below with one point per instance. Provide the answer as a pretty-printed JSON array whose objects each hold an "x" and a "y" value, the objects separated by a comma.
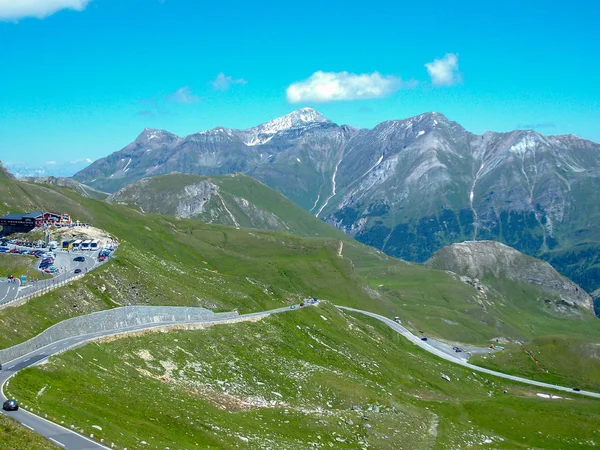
[
  {"x": 476, "y": 261},
  {"x": 407, "y": 187}
]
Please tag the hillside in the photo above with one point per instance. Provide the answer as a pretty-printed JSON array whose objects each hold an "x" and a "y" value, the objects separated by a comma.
[
  {"x": 407, "y": 187},
  {"x": 168, "y": 261},
  {"x": 495, "y": 262},
  {"x": 313, "y": 378},
  {"x": 80, "y": 188},
  {"x": 4, "y": 173},
  {"x": 234, "y": 200}
]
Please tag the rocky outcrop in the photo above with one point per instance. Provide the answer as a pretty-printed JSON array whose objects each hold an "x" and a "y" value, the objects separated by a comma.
[{"x": 480, "y": 260}]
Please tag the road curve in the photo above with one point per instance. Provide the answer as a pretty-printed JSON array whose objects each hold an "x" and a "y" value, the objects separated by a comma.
[
  {"x": 425, "y": 346},
  {"x": 72, "y": 440},
  {"x": 56, "y": 433}
]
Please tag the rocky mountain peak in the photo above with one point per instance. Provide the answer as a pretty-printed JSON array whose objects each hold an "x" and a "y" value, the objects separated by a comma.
[
  {"x": 151, "y": 134},
  {"x": 303, "y": 117}
]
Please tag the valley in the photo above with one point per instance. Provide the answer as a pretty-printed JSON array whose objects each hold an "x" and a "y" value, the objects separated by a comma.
[{"x": 179, "y": 261}]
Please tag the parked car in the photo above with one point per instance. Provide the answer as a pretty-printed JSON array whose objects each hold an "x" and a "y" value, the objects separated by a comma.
[
  {"x": 77, "y": 270},
  {"x": 10, "y": 405},
  {"x": 79, "y": 259}
]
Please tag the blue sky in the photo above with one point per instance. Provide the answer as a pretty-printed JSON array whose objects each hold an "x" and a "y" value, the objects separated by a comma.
[{"x": 81, "y": 82}]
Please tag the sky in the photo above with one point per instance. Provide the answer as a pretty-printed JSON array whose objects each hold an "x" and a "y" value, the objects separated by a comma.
[{"x": 80, "y": 79}]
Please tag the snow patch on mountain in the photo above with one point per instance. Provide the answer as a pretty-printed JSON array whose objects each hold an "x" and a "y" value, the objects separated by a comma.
[{"x": 300, "y": 118}]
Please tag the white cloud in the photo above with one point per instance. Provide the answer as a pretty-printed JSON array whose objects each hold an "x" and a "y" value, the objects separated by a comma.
[
  {"x": 332, "y": 86},
  {"x": 224, "y": 82},
  {"x": 444, "y": 71},
  {"x": 183, "y": 95},
  {"x": 19, "y": 9},
  {"x": 50, "y": 163}
]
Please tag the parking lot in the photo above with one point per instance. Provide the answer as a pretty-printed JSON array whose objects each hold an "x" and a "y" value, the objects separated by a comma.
[{"x": 61, "y": 265}]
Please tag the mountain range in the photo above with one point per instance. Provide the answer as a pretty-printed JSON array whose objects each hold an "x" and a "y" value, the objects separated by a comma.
[{"x": 407, "y": 187}]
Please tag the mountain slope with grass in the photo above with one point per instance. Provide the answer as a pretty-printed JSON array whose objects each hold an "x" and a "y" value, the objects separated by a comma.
[
  {"x": 313, "y": 378},
  {"x": 164, "y": 260},
  {"x": 234, "y": 200},
  {"x": 80, "y": 188},
  {"x": 496, "y": 262}
]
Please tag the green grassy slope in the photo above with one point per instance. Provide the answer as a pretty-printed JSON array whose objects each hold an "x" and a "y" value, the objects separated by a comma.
[
  {"x": 169, "y": 261},
  {"x": 314, "y": 378},
  {"x": 552, "y": 359},
  {"x": 14, "y": 436},
  {"x": 18, "y": 265},
  {"x": 252, "y": 204}
]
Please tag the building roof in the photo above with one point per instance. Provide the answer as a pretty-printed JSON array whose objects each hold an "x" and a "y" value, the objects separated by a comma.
[
  {"x": 33, "y": 215},
  {"x": 12, "y": 217}
]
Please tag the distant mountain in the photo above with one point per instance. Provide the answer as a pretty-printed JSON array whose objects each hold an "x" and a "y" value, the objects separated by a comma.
[
  {"x": 490, "y": 261},
  {"x": 407, "y": 187},
  {"x": 235, "y": 200},
  {"x": 80, "y": 188}
]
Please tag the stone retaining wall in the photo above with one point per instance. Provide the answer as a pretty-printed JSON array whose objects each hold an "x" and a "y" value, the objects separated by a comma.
[{"x": 113, "y": 319}]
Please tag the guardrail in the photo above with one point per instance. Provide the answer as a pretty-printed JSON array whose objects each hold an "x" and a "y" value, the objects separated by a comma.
[{"x": 113, "y": 320}]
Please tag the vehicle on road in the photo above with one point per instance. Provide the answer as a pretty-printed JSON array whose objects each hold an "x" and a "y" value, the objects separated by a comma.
[
  {"x": 77, "y": 271},
  {"x": 302, "y": 304},
  {"x": 10, "y": 405},
  {"x": 576, "y": 389},
  {"x": 293, "y": 307},
  {"x": 79, "y": 259},
  {"x": 397, "y": 319},
  {"x": 423, "y": 339}
]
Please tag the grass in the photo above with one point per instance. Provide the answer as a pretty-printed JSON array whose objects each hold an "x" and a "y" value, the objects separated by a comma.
[
  {"x": 291, "y": 381},
  {"x": 265, "y": 209},
  {"x": 551, "y": 359},
  {"x": 14, "y": 436},
  {"x": 168, "y": 261},
  {"x": 18, "y": 265}
]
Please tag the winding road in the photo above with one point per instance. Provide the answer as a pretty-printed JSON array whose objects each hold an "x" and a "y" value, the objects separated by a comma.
[{"x": 72, "y": 440}]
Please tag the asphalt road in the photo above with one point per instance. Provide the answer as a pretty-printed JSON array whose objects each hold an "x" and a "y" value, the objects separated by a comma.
[
  {"x": 10, "y": 292},
  {"x": 460, "y": 361},
  {"x": 62, "y": 436}
]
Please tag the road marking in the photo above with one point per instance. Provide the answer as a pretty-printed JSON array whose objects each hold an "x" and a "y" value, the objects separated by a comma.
[
  {"x": 27, "y": 426},
  {"x": 55, "y": 441},
  {"x": 11, "y": 367},
  {"x": 27, "y": 359}
]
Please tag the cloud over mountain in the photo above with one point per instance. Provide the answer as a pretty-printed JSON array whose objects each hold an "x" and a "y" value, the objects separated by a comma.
[{"x": 334, "y": 86}]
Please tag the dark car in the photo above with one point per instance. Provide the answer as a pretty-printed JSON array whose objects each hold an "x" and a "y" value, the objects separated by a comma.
[
  {"x": 576, "y": 389},
  {"x": 79, "y": 259},
  {"x": 10, "y": 405},
  {"x": 423, "y": 339},
  {"x": 77, "y": 271}
]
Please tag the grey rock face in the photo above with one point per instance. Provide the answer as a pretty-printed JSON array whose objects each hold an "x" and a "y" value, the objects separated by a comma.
[{"x": 477, "y": 260}]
